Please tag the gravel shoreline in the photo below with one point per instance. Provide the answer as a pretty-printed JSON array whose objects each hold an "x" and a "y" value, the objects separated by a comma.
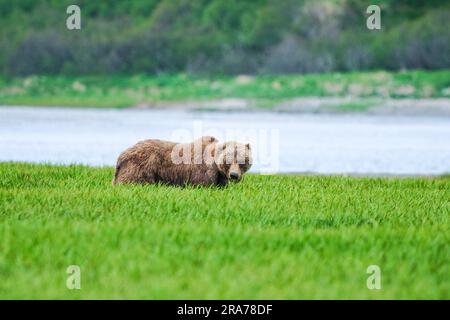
[{"x": 389, "y": 106}]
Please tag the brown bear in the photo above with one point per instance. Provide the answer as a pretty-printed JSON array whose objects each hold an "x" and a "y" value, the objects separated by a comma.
[{"x": 204, "y": 162}]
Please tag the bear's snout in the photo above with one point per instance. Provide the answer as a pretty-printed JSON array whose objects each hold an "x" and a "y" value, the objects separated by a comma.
[{"x": 234, "y": 176}]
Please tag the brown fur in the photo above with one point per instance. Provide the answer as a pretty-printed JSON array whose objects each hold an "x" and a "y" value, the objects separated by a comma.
[{"x": 151, "y": 161}]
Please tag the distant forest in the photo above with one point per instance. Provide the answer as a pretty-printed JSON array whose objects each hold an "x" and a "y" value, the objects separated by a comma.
[{"x": 221, "y": 36}]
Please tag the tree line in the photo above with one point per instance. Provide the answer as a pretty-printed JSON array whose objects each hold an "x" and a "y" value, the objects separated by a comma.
[{"x": 221, "y": 36}]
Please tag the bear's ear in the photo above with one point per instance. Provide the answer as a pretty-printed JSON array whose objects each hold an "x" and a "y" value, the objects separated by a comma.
[
  {"x": 219, "y": 148},
  {"x": 247, "y": 145},
  {"x": 210, "y": 139}
]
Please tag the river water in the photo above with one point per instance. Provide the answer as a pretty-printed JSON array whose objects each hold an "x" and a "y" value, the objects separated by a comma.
[{"x": 281, "y": 142}]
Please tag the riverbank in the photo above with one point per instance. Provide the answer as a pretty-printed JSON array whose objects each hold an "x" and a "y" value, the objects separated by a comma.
[
  {"x": 335, "y": 92},
  {"x": 326, "y": 105}
]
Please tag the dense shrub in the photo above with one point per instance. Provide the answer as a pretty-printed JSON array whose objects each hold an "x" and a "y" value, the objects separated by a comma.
[{"x": 218, "y": 36}]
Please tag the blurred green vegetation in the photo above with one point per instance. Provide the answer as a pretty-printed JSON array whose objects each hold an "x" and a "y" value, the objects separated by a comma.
[
  {"x": 221, "y": 37},
  {"x": 125, "y": 91}
]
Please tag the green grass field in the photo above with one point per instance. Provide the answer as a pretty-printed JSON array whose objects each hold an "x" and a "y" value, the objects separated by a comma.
[
  {"x": 128, "y": 91},
  {"x": 293, "y": 237}
]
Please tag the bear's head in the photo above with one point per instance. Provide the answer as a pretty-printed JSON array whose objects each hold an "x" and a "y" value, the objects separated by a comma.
[{"x": 233, "y": 159}]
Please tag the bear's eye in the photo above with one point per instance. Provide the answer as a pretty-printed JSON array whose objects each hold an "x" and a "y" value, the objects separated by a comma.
[{"x": 242, "y": 165}]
